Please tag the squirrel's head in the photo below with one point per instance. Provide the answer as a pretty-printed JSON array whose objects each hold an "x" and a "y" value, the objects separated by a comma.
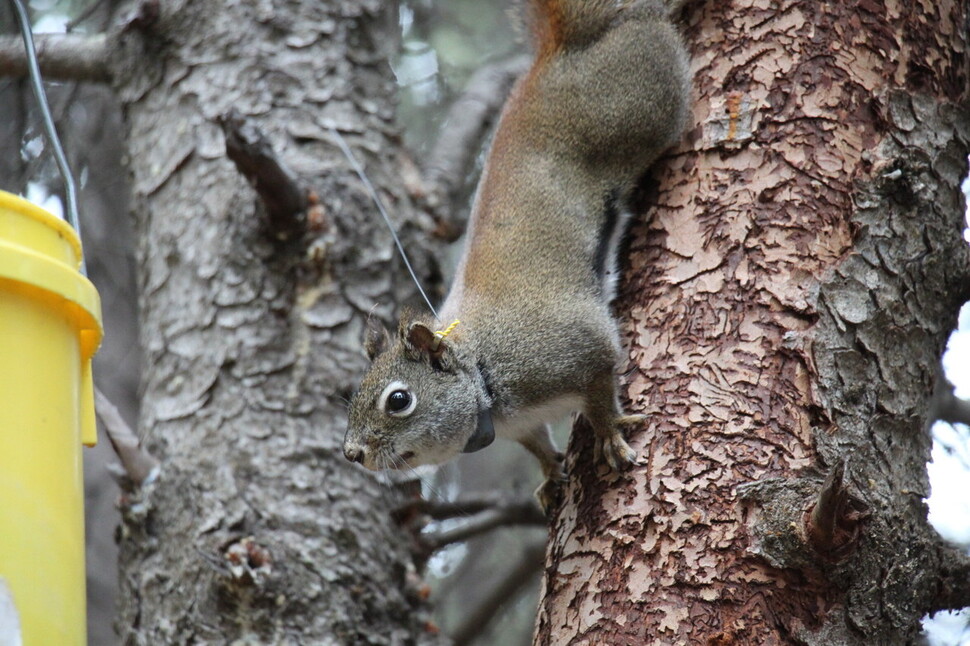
[{"x": 418, "y": 404}]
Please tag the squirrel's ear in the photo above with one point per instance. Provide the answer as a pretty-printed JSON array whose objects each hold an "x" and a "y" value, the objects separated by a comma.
[
  {"x": 420, "y": 342},
  {"x": 420, "y": 339},
  {"x": 377, "y": 339}
]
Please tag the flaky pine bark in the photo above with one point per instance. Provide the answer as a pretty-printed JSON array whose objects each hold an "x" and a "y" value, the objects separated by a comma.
[
  {"x": 789, "y": 293},
  {"x": 257, "y": 530}
]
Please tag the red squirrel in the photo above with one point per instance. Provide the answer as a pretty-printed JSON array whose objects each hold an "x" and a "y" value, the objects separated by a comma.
[{"x": 536, "y": 337}]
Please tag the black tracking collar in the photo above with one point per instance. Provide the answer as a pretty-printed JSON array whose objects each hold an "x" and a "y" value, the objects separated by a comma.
[{"x": 485, "y": 429}]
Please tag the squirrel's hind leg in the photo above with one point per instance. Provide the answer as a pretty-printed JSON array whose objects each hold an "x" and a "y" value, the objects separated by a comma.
[
  {"x": 539, "y": 443},
  {"x": 608, "y": 421}
]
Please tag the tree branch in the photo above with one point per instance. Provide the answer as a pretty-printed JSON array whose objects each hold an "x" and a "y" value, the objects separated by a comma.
[
  {"x": 458, "y": 144},
  {"x": 833, "y": 524},
  {"x": 286, "y": 201},
  {"x": 946, "y": 406},
  {"x": 954, "y": 579},
  {"x": 517, "y": 576},
  {"x": 516, "y": 512},
  {"x": 466, "y": 506},
  {"x": 485, "y": 513},
  {"x": 138, "y": 463},
  {"x": 468, "y": 120},
  {"x": 62, "y": 57}
]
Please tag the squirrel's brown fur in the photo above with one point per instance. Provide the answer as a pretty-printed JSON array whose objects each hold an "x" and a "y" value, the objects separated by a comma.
[{"x": 607, "y": 93}]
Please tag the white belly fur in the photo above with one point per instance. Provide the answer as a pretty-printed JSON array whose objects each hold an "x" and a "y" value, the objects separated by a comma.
[{"x": 521, "y": 423}]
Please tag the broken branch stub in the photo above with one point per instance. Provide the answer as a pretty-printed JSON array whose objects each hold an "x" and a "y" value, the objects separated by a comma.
[
  {"x": 286, "y": 201},
  {"x": 834, "y": 521}
]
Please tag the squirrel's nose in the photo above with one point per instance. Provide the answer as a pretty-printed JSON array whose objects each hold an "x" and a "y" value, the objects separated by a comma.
[{"x": 354, "y": 454}]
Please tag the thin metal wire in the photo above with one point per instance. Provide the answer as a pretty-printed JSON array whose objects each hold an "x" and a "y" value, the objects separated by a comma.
[
  {"x": 70, "y": 189},
  {"x": 380, "y": 207}
]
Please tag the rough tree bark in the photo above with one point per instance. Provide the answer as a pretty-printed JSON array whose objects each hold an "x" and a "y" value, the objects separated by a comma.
[
  {"x": 788, "y": 296},
  {"x": 257, "y": 530}
]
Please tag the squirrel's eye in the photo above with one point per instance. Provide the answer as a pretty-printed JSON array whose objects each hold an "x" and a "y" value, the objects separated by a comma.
[{"x": 398, "y": 401}]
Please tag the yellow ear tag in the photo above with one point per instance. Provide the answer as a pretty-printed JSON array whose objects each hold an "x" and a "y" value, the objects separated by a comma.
[{"x": 441, "y": 334}]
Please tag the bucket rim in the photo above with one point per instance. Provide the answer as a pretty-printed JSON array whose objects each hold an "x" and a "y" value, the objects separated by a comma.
[
  {"x": 27, "y": 208},
  {"x": 38, "y": 271}
]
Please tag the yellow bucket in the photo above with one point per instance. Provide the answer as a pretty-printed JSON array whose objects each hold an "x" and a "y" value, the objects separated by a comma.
[{"x": 50, "y": 328}]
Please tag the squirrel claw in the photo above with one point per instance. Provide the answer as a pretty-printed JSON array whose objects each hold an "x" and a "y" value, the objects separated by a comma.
[
  {"x": 614, "y": 449},
  {"x": 631, "y": 420},
  {"x": 617, "y": 452},
  {"x": 549, "y": 493}
]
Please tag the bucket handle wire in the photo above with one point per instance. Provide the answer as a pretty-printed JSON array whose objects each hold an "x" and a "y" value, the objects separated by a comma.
[{"x": 70, "y": 188}]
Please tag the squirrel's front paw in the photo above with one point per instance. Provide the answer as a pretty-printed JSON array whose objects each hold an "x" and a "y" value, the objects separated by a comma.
[
  {"x": 550, "y": 491},
  {"x": 613, "y": 448}
]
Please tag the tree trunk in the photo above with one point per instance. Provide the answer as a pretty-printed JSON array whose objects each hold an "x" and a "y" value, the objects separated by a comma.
[
  {"x": 786, "y": 304},
  {"x": 257, "y": 530}
]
